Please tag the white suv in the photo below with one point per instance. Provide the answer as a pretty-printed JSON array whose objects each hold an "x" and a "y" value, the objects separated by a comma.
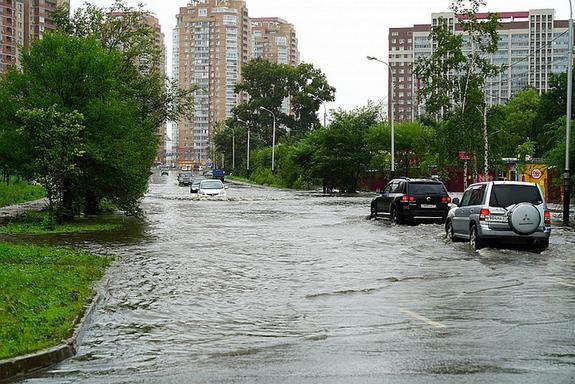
[{"x": 503, "y": 211}]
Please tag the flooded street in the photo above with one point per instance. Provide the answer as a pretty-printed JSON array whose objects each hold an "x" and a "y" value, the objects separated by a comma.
[{"x": 297, "y": 287}]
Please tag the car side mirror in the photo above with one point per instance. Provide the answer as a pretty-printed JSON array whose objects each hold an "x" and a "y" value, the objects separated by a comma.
[{"x": 456, "y": 201}]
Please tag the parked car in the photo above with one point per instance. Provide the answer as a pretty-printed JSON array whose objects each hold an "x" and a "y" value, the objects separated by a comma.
[
  {"x": 208, "y": 173},
  {"x": 412, "y": 200},
  {"x": 212, "y": 188},
  {"x": 500, "y": 211},
  {"x": 184, "y": 178},
  {"x": 218, "y": 174},
  {"x": 195, "y": 185},
  {"x": 164, "y": 172}
]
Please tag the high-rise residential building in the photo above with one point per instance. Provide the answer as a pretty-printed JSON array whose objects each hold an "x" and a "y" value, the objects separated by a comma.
[
  {"x": 160, "y": 66},
  {"x": 212, "y": 39},
  {"x": 148, "y": 63},
  {"x": 274, "y": 39},
  {"x": 21, "y": 21},
  {"x": 532, "y": 46}
]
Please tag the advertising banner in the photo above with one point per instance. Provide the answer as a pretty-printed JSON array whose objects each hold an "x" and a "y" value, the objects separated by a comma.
[{"x": 536, "y": 173}]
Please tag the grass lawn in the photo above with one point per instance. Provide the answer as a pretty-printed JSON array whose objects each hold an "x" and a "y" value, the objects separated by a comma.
[
  {"x": 36, "y": 223},
  {"x": 42, "y": 291},
  {"x": 19, "y": 192}
]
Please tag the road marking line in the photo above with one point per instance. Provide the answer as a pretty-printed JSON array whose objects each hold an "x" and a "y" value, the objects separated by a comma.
[{"x": 426, "y": 320}]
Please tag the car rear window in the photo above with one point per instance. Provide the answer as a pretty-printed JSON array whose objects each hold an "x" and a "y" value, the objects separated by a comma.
[
  {"x": 506, "y": 195},
  {"x": 425, "y": 189}
]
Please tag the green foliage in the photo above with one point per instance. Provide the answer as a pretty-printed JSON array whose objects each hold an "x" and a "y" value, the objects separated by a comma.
[
  {"x": 459, "y": 63},
  {"x": 42, "y": 292},
  {"x": 40, "y": 223},
  {"x": 102, "y": 63},
  {"x": 14, "y": 192},
  {"x": 339, "y": 154},
  {"x": 55, "y": 142},
  {"x": 268, "y": 85},
  {"x": 118, "y": 142},
  {"x": 527, "y": 149}
]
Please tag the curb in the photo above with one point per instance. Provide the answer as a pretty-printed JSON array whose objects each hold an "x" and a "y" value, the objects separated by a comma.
[{"x": 26, "y": 365}]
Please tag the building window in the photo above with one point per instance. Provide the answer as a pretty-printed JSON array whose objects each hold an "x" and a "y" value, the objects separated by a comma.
[{"x": 202, "y": 12}]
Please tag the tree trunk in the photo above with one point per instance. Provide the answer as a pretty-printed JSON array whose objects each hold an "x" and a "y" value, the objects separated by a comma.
[
  {"x": 91, "y": 203},
  {"x": 68, "y": 198}
]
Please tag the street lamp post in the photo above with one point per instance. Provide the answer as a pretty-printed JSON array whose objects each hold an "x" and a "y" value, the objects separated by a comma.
[
  {"x": 391, "y": 114},
  {"x": 273, "y": 137},
  {"x": 567, "y": 174}
]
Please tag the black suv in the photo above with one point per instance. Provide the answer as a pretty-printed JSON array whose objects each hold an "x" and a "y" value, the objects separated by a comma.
[{"x": 413, "y": 200}]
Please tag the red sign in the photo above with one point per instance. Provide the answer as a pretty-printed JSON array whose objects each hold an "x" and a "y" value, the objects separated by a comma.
[{"x": 463, "y": 155}]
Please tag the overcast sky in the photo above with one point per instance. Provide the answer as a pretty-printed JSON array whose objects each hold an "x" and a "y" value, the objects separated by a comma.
[{"x": 337, "y": 35}]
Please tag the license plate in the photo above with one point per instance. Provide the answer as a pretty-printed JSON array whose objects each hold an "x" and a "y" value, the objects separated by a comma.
[
  {"x": 499, "y": 219},
  {"x": 428, "y": 206}
]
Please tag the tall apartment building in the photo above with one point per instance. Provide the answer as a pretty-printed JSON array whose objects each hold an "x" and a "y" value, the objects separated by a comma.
[
  {"x": 21, "y": 21},
  {"x": 274, "y": 39},
  {"x": 159, "y": 42},
  {"x": 532, "y": 46},
  {"x": 212, "y": 39}
]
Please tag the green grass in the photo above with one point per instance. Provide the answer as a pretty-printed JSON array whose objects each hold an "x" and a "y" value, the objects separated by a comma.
[
  {"x": 19, "y": 192},
  {"x": 36, "y": 223},
  {"x": 42, "y": 291}
]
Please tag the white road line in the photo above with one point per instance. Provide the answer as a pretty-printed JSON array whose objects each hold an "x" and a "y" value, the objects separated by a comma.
[{"x": 422, "y": 318}]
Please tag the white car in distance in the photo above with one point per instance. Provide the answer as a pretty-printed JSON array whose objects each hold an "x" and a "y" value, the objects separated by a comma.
[{"x": 212, "y": 188}]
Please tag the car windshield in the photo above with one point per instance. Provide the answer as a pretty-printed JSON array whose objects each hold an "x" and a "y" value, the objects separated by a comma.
[
  {"x": 186, "y": 174},
  {"x": 506, "y": 195},
  {"x": 211, "y": 184},
  {"x": 425, "y": 189}
]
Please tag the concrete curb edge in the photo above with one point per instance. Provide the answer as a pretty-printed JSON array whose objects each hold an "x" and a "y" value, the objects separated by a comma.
[{"x": 22, "y": 366}]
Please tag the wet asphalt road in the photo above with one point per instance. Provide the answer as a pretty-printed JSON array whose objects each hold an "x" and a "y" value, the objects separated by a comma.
[{"x": 290, "y": 287}]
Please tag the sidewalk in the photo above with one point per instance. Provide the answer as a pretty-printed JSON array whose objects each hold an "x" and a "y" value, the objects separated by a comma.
[{"x": 15, "y": 210}]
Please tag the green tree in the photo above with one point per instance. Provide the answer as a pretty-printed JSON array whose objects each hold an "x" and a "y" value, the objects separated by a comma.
[
  {"x": 414, "y": 145},
  {"x": 56, "y": 143},
  {"x": 512, "y": 123},
  {"x": 269, "y": 85},
  {"x": 76, "y": 73},
  {"x": 454, "y": 75},
  {"x": 339, "y": 154}
]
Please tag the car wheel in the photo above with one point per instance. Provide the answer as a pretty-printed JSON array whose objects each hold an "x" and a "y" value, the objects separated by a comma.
[
  {"x": 449, "y": 233},
  {"x": 394, "y": 217},
  {"x": 475, "y": 241},
  {"x": 373, "y": 213},
  {"x": 542, "y": 246}
]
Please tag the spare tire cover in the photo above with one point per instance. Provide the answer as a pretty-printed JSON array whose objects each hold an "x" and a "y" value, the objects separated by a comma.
[{"x": 524, "y": 218}]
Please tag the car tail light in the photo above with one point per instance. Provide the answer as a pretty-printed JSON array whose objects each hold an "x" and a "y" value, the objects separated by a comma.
[
  {"x": 446, "y": 199},
  {"x": 483, "y": 214},
  {"x": 547, "y": 217},
  {"x": 407, "y": 198}
]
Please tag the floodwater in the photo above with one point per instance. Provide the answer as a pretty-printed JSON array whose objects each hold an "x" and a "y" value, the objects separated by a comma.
[{"x": 277, "y": 286}]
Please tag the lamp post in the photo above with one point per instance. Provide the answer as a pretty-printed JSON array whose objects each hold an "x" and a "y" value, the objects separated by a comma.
[
  {"x": 273, "y": 137},
  {"x": 391, "y": 114},
  {"x": 248, "y": 149},
  {"x": 567, "y": 174}
]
